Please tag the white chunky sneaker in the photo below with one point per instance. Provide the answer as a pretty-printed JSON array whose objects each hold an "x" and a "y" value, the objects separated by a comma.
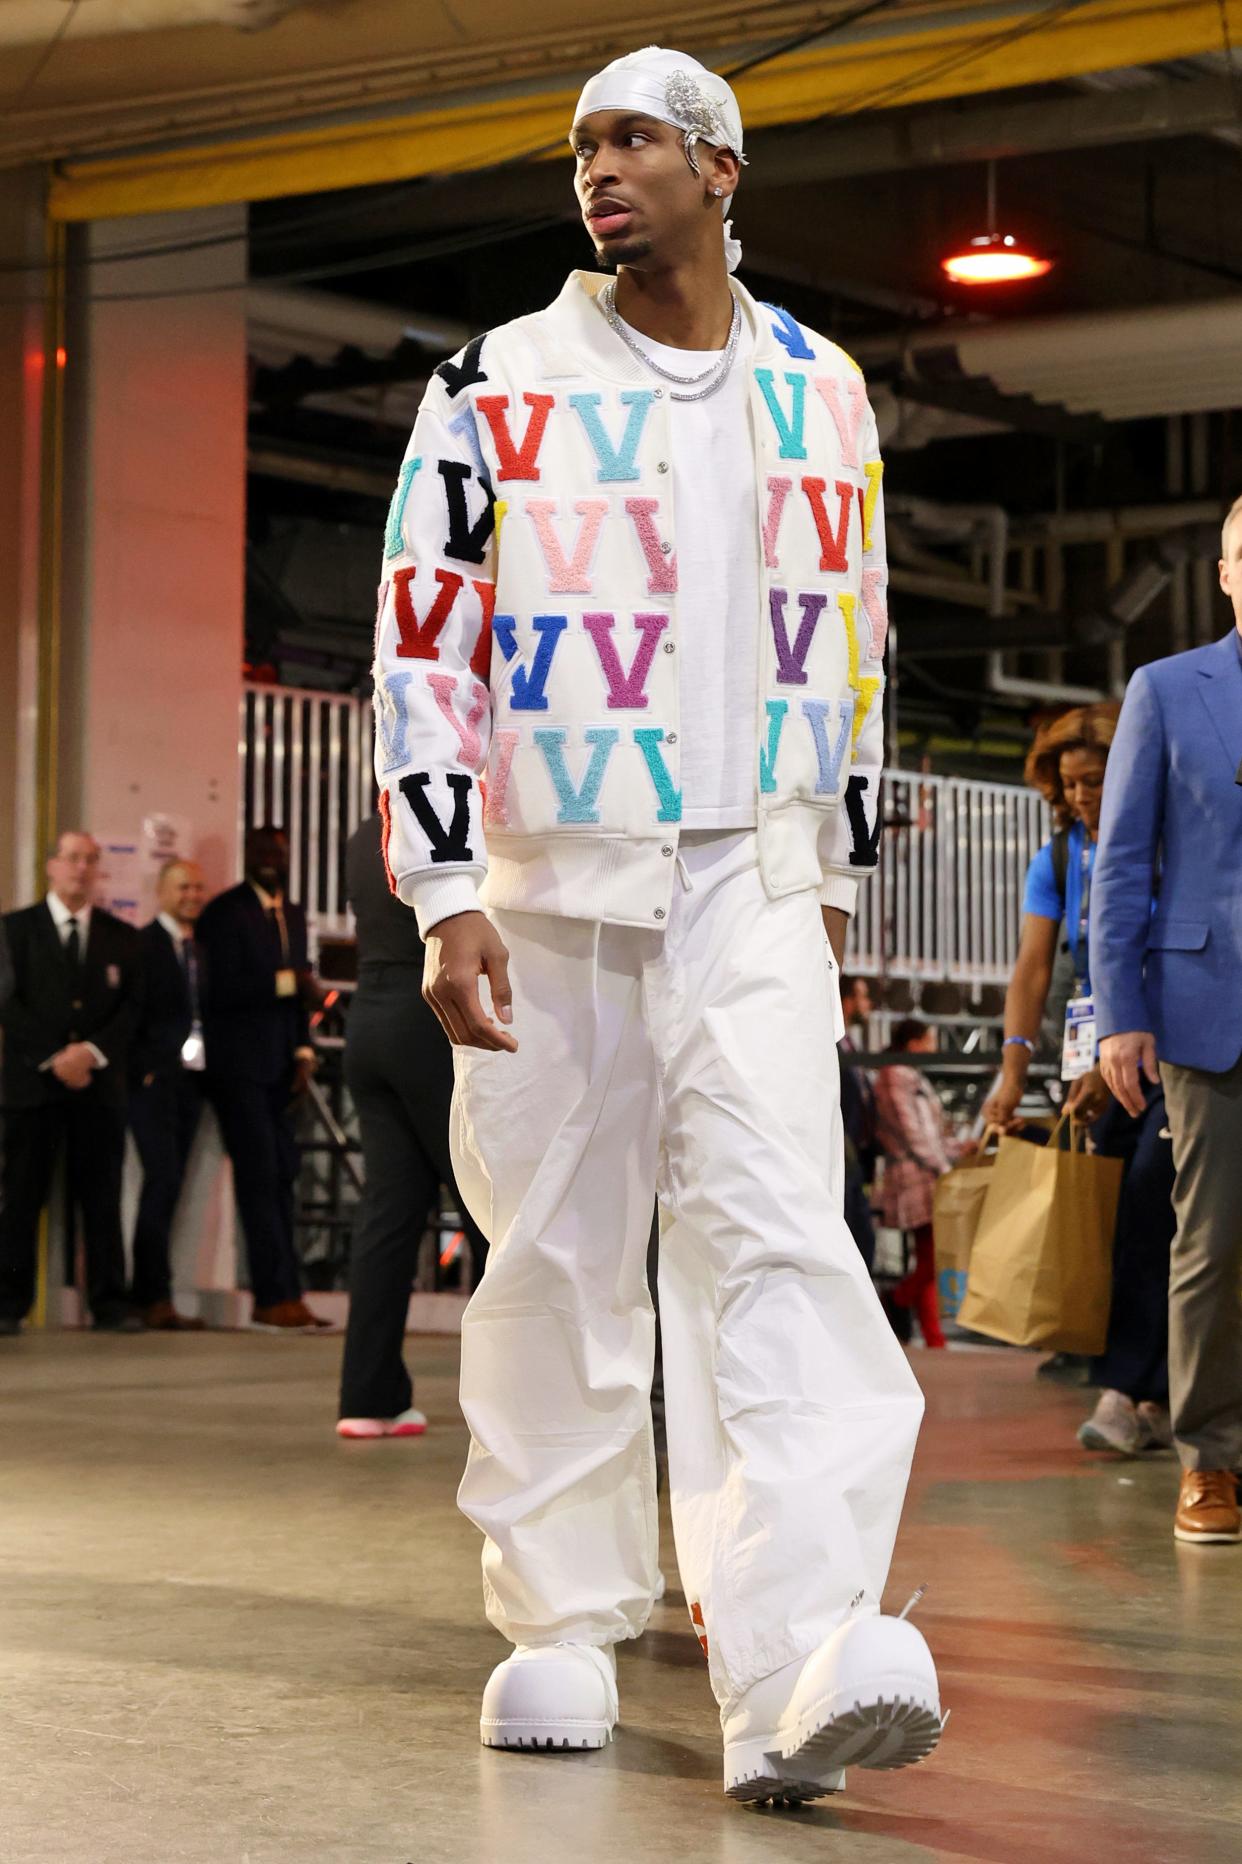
[
  {"x": 868, "y": 1697},
  {"x": 552, "y": 1696},
  {"x": 753, "y": 1769}
]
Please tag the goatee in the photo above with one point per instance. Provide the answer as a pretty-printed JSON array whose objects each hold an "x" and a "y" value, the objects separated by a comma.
[{"x": 630, "y": 254}]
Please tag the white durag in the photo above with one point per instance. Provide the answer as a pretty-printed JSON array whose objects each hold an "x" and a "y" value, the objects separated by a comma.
[{"x": 676, "y": 89}]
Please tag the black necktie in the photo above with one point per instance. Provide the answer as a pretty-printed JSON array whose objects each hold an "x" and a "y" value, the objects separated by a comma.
[
  {"x": 73, "y": 948},
  {"x": 189, "y": 963},
  {"x": 282, "y": 932}
]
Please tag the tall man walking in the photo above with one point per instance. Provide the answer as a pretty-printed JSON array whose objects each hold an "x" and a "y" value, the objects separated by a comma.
[
  {"x": 628, "y": 690},
  {"x": 67, "y": 1025},
  {"x": 1169, "y": 1008}
]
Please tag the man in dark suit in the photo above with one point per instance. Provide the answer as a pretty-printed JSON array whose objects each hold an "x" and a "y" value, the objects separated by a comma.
[
  {"x": 399, "y": 1067},
  {"x": 166, "y": 1086},
  {"x": 67, "y": 1025},
  {"x": 259, "y": 1061}
]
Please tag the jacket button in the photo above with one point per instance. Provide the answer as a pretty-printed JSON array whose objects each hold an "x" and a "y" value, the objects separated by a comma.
[
  {"x": 667, "y": 549},
  {"x": 658, "y": 393},
  {"x": 672, "y": 738},
  {"x": 666, "y": 850},
  {"x": 662, "y": 466},
  {"x": 659, "y": 912},
  {"x": 670, "y": 647}
]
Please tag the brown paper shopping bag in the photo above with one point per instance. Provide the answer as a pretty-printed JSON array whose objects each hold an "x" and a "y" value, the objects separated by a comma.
[
  {"x": 956, "y": 1206},
  {"x": 1041, "y": 1267}
]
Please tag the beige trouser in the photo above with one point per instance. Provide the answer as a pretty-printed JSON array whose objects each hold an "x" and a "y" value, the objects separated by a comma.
[{"x": 1205, "y": 1277}]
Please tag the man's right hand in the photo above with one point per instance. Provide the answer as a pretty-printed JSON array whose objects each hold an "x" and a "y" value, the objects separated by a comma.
[
  {"x": 73, "y": 1066},
  {"x": 460, "y": 951},
  {"x": 1124, "y": 1059}
]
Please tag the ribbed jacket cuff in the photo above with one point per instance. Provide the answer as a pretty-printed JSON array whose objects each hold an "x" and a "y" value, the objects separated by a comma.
[
  {"x": 438, "y": 896},
  {"x": 840, "y": 891}
]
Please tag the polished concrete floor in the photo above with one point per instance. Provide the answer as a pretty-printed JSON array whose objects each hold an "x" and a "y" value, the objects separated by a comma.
[{"x": 226, "y": 1638}]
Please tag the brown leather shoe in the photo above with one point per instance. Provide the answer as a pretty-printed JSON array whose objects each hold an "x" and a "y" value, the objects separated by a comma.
[
  {"x": 162, "y": 1317},
  {"x": 1207, "y": 1507},
  {"x": 288, "y": 1317}
]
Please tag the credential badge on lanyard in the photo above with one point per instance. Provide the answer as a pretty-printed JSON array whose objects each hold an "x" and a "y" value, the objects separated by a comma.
[{"x": 1078, "y": 1048}]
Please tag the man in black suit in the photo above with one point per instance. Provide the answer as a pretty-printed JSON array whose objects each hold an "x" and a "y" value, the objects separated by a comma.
[
  {"x": 67, "y": 1025},
  {"x": 399, "y": 1067},
  {"x": 259, "y": 1061},
  {"x": 166, "y": 1085}
]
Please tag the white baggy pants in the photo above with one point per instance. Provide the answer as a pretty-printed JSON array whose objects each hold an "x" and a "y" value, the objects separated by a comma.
[{"x": 700, "y": 1064}]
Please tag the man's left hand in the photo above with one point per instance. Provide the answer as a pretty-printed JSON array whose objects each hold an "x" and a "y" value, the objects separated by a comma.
[{"x": 304, "y": 1068}]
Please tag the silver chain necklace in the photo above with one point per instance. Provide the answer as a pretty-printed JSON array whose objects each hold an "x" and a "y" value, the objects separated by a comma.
[{"x": 704, "y": 384}]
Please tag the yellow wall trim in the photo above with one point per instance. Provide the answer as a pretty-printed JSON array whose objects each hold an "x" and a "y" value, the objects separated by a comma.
[{"x": 1035, "y": 44}]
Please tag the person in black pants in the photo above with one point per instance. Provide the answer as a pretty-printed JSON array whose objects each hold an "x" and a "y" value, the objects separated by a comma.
[
  {"x": 858, "y": 1120},
  {"x": 166, "y": 1086},
  {"x": 67, "y": 1022},
  {"x": 259, "y": 1060},
  {"x": 399, "y": 1069}
]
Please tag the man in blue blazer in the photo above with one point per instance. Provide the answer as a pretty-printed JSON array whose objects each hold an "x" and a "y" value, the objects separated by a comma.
[{"x": 1168, "y": 998}]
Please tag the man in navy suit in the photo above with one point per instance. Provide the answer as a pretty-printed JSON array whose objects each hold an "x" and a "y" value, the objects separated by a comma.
[
  {"x": 259, "y": 1061},
  {"x": 166, "y": 1065},
  {"x": 1169, "y": 1005},
  {"x": 67, "y": 1023}
]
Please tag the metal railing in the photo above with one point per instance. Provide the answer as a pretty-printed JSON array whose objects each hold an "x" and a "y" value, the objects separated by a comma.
[
  {"x": 945, "y": 905},
  {"x": 306, "y": 767}
]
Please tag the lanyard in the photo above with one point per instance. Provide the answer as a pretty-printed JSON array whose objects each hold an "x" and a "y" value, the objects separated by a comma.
[{"x": 1084, "y": 910}]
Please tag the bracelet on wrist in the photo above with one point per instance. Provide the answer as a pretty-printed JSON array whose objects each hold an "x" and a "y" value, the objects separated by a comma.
[{"x": 1019, "y": 1042}]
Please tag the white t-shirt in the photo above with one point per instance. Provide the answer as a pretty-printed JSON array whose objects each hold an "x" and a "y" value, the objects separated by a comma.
[{"x": 716, "y": 524}]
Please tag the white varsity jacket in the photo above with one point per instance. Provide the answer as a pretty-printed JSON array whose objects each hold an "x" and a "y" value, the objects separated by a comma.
[{"x": 526, "y": 676}]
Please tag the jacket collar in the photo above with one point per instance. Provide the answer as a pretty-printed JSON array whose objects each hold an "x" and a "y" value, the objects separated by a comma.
[
  {"x": 1221, "y": 671},
  {"x": 574, "y": 338}
]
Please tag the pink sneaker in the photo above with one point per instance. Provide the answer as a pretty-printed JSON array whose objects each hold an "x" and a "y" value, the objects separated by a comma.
[{"x": 409, "y": 1424}]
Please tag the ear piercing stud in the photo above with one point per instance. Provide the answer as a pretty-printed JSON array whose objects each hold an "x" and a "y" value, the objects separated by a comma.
[{"x": 719, "y": 191}]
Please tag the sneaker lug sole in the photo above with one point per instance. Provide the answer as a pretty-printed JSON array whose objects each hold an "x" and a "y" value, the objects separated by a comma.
[
  {"x": 545, "y": 1737},
  {"x": 886, "y": 1732}
]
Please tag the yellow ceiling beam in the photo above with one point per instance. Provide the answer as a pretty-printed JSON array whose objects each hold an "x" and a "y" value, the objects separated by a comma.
[{"x": 1033, "y": 45}]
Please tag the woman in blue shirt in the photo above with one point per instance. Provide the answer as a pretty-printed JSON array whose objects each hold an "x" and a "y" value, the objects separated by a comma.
[{"x": 1067, "y": 764}]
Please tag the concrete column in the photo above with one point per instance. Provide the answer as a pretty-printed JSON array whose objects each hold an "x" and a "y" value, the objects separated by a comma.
[
  {"x": 23, "y": 371},
  {"x": 154, "y": 533},
  {"x": 153, "y": 585}
]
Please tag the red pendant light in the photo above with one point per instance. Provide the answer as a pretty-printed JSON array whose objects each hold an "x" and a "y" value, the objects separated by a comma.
[{"x": 994, "y": 258}]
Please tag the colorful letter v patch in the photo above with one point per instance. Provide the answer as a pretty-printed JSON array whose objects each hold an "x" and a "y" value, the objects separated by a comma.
[
  {"x": 568, "y": 575},
  {"x": 577, "y": 804},
  {"x": 394, "y": 538},
  {"x": 864, "y": 690},
  {"x": 791, "y": 429},
  {"x": 619, "y": 462},
  {"x": 829, "y": 757},
  {"x": 847, "y": 414},
  {"x": 649, "y": 740},
  {"x": 527, "y": 689},
  {"x": 626, "y": 691},
  {"x": 517, "y": 462},
  {"x": 777, "y": 708},
  {"x": 791, "y": 661}
]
